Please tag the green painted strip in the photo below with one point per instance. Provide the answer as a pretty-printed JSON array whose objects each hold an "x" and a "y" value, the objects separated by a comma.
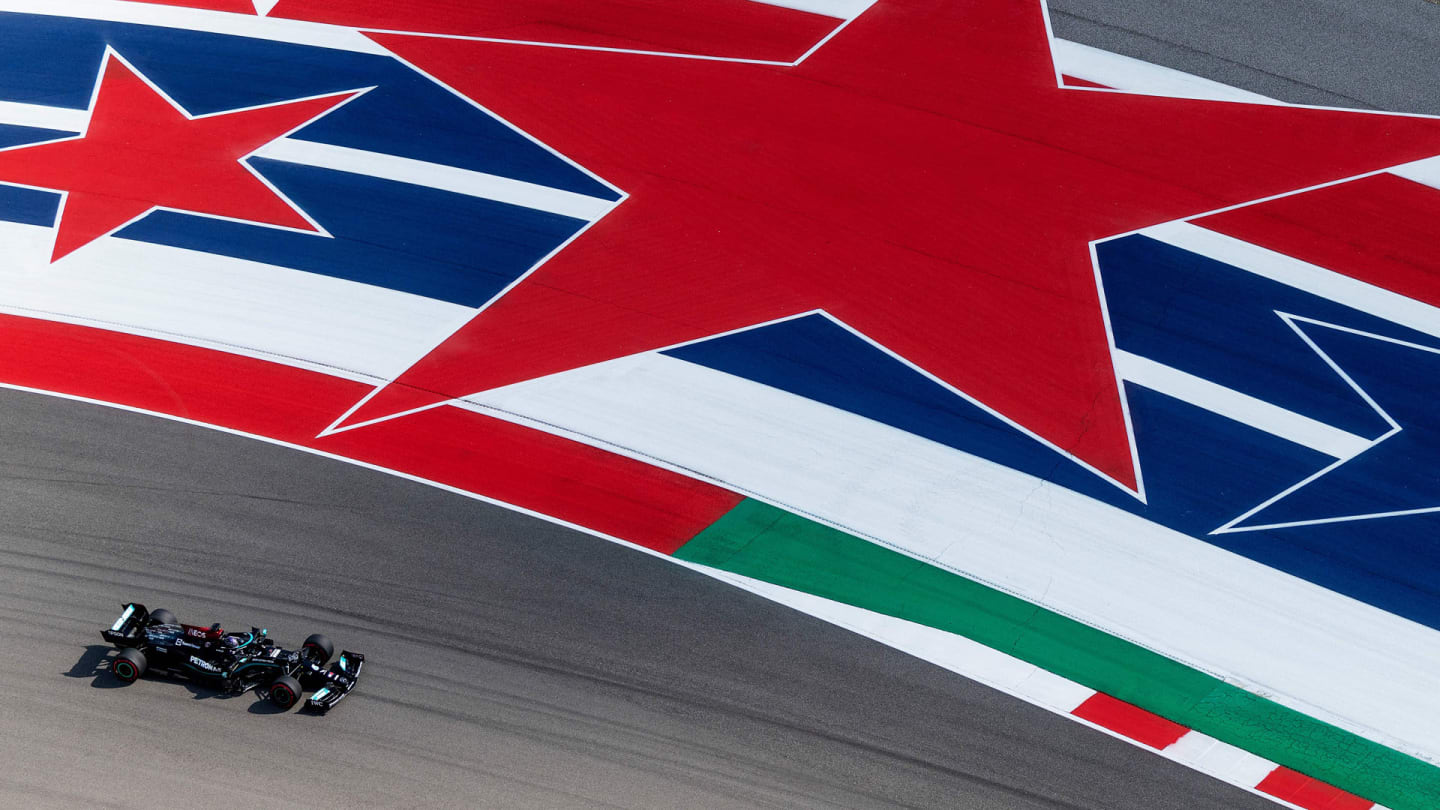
[{"x": 769, "y": 544}]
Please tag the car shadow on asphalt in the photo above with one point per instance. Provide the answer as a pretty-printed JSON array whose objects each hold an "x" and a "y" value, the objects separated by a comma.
[{"x": 94, "y": 663}]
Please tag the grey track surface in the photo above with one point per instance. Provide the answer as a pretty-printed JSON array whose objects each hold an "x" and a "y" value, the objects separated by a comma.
[
  {"x": 514, "y": 664},
  {"x": 517, "y": 664},
  {"x": 1364, "y": 54}
]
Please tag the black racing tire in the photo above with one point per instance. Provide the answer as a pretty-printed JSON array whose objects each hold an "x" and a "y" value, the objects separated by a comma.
[
  {"x": 129, "y": 665},
  {"x": 319, "y": 647},
  {"x": 163, "y": 616},
  {"x": 284, "y": 692}
]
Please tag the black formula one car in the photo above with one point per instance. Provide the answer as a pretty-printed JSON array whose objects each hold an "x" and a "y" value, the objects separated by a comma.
[{"x": 233, "y": 663}]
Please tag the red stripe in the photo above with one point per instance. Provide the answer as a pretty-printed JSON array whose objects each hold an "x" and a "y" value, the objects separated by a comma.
[
  {"x": 733, "y": 28},
  {"x": 1130, "y": 720},
  {"x": 527, "y": 468},
  {"x": 236, "y": 6},
  {"x": 1071, "y": 81},
  {"x": 1311, "y": 794},
  {"x": 1379, "y": 229}
]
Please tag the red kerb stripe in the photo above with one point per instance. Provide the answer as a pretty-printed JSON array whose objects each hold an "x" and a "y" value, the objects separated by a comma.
[
  {"x": 1131, "y": 721},
  {"x": 1311, "y": 794}
]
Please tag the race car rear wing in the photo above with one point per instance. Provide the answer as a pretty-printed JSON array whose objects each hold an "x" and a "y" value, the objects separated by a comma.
[
  {"x": 341, "y": 678},
  {"x": 126, "y": 629}
]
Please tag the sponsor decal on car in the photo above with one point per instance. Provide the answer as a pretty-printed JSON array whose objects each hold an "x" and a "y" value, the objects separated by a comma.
[{"x": 203, "y": 664}]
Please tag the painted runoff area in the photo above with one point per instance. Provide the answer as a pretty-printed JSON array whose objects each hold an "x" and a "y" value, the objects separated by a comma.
[{"x": 989, "y": 571}]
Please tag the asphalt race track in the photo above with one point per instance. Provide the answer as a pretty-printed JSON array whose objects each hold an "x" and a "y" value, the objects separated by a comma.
[
  {"x": 512, "y": 664},
  {"x": 517, "y": 664},
  {"x": 1377, "y": 54}
]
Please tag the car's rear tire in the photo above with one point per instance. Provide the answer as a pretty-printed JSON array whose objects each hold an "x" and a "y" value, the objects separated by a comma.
[
  {"x": 284, "y": 692},
  {"x": 319, "y": 648},
  {"x": 129, "y": 665},
  {"x": 163, "y": 616}
]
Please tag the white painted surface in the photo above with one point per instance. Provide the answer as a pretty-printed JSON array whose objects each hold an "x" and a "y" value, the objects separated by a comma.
[
  {"x": 1134, "y": 76},
  {"x": 1219, "y": 759},
  {"x": 302, "y": 319},
  {"x": 1242, "y": 408},
  {"x": 1260, "y": 628}
]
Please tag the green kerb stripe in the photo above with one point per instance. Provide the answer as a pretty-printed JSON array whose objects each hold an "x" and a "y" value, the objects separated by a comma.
[{"x": 769, "y": 544}]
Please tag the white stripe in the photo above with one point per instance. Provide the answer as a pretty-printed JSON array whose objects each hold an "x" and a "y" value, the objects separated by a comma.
[
  {"x": 1136, "y": 76},
  {"x": 34, "y": 115},
  {"x": 1261, "y": 629},
  {"x": 1425, "y": 172},
  {"x": 1219, "y": 759},
  {"x": 370, "y": 164},
  {"x": 840, "y": 9},
  {"x": 1242, "y": 408},
  {"x": 434, "y": 175},
  {"x": 1301, "y": 275},
  {"x": 337, "y": 327},
  {"x": 215, "y": 22}
]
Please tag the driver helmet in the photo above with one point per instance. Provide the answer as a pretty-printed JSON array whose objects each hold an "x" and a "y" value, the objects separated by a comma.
[{"x": 230, "y": 642}]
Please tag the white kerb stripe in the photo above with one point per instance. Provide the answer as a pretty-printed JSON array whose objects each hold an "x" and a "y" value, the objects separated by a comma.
[
  {"x": 1135, "y": 76},
  {"x": 1219, "y": 759},
  {"x": 1301, "y": 275},
  {"x": 1242, "y": 408},
  {"x": 438, "y": 176}
]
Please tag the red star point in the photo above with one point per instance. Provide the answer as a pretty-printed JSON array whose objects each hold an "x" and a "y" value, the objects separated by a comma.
[
  {"x": 141, "y": 151},
  {"x": 922, "y": 178}
]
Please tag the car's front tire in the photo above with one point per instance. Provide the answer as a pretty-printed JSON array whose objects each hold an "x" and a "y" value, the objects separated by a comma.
[
  {"x": 129, "y": 665},
  {"x": 284, "y": 692},
  {"x": 319, "y": 647}
]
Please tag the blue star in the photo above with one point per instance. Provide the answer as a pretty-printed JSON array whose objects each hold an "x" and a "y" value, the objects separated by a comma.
[{"x": 1399, "y": 473}]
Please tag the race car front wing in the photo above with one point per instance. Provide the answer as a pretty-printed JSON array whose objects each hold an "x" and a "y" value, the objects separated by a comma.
[{"x": 340, "y": 679}]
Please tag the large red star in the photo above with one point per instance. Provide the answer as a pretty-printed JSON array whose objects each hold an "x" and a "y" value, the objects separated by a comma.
[
  {"x": 922, "y": 178},
  {"x": 142, "y": 151}
]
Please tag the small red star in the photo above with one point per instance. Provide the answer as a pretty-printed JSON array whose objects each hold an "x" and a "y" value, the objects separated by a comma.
[{"x": 141, "y": 151}]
